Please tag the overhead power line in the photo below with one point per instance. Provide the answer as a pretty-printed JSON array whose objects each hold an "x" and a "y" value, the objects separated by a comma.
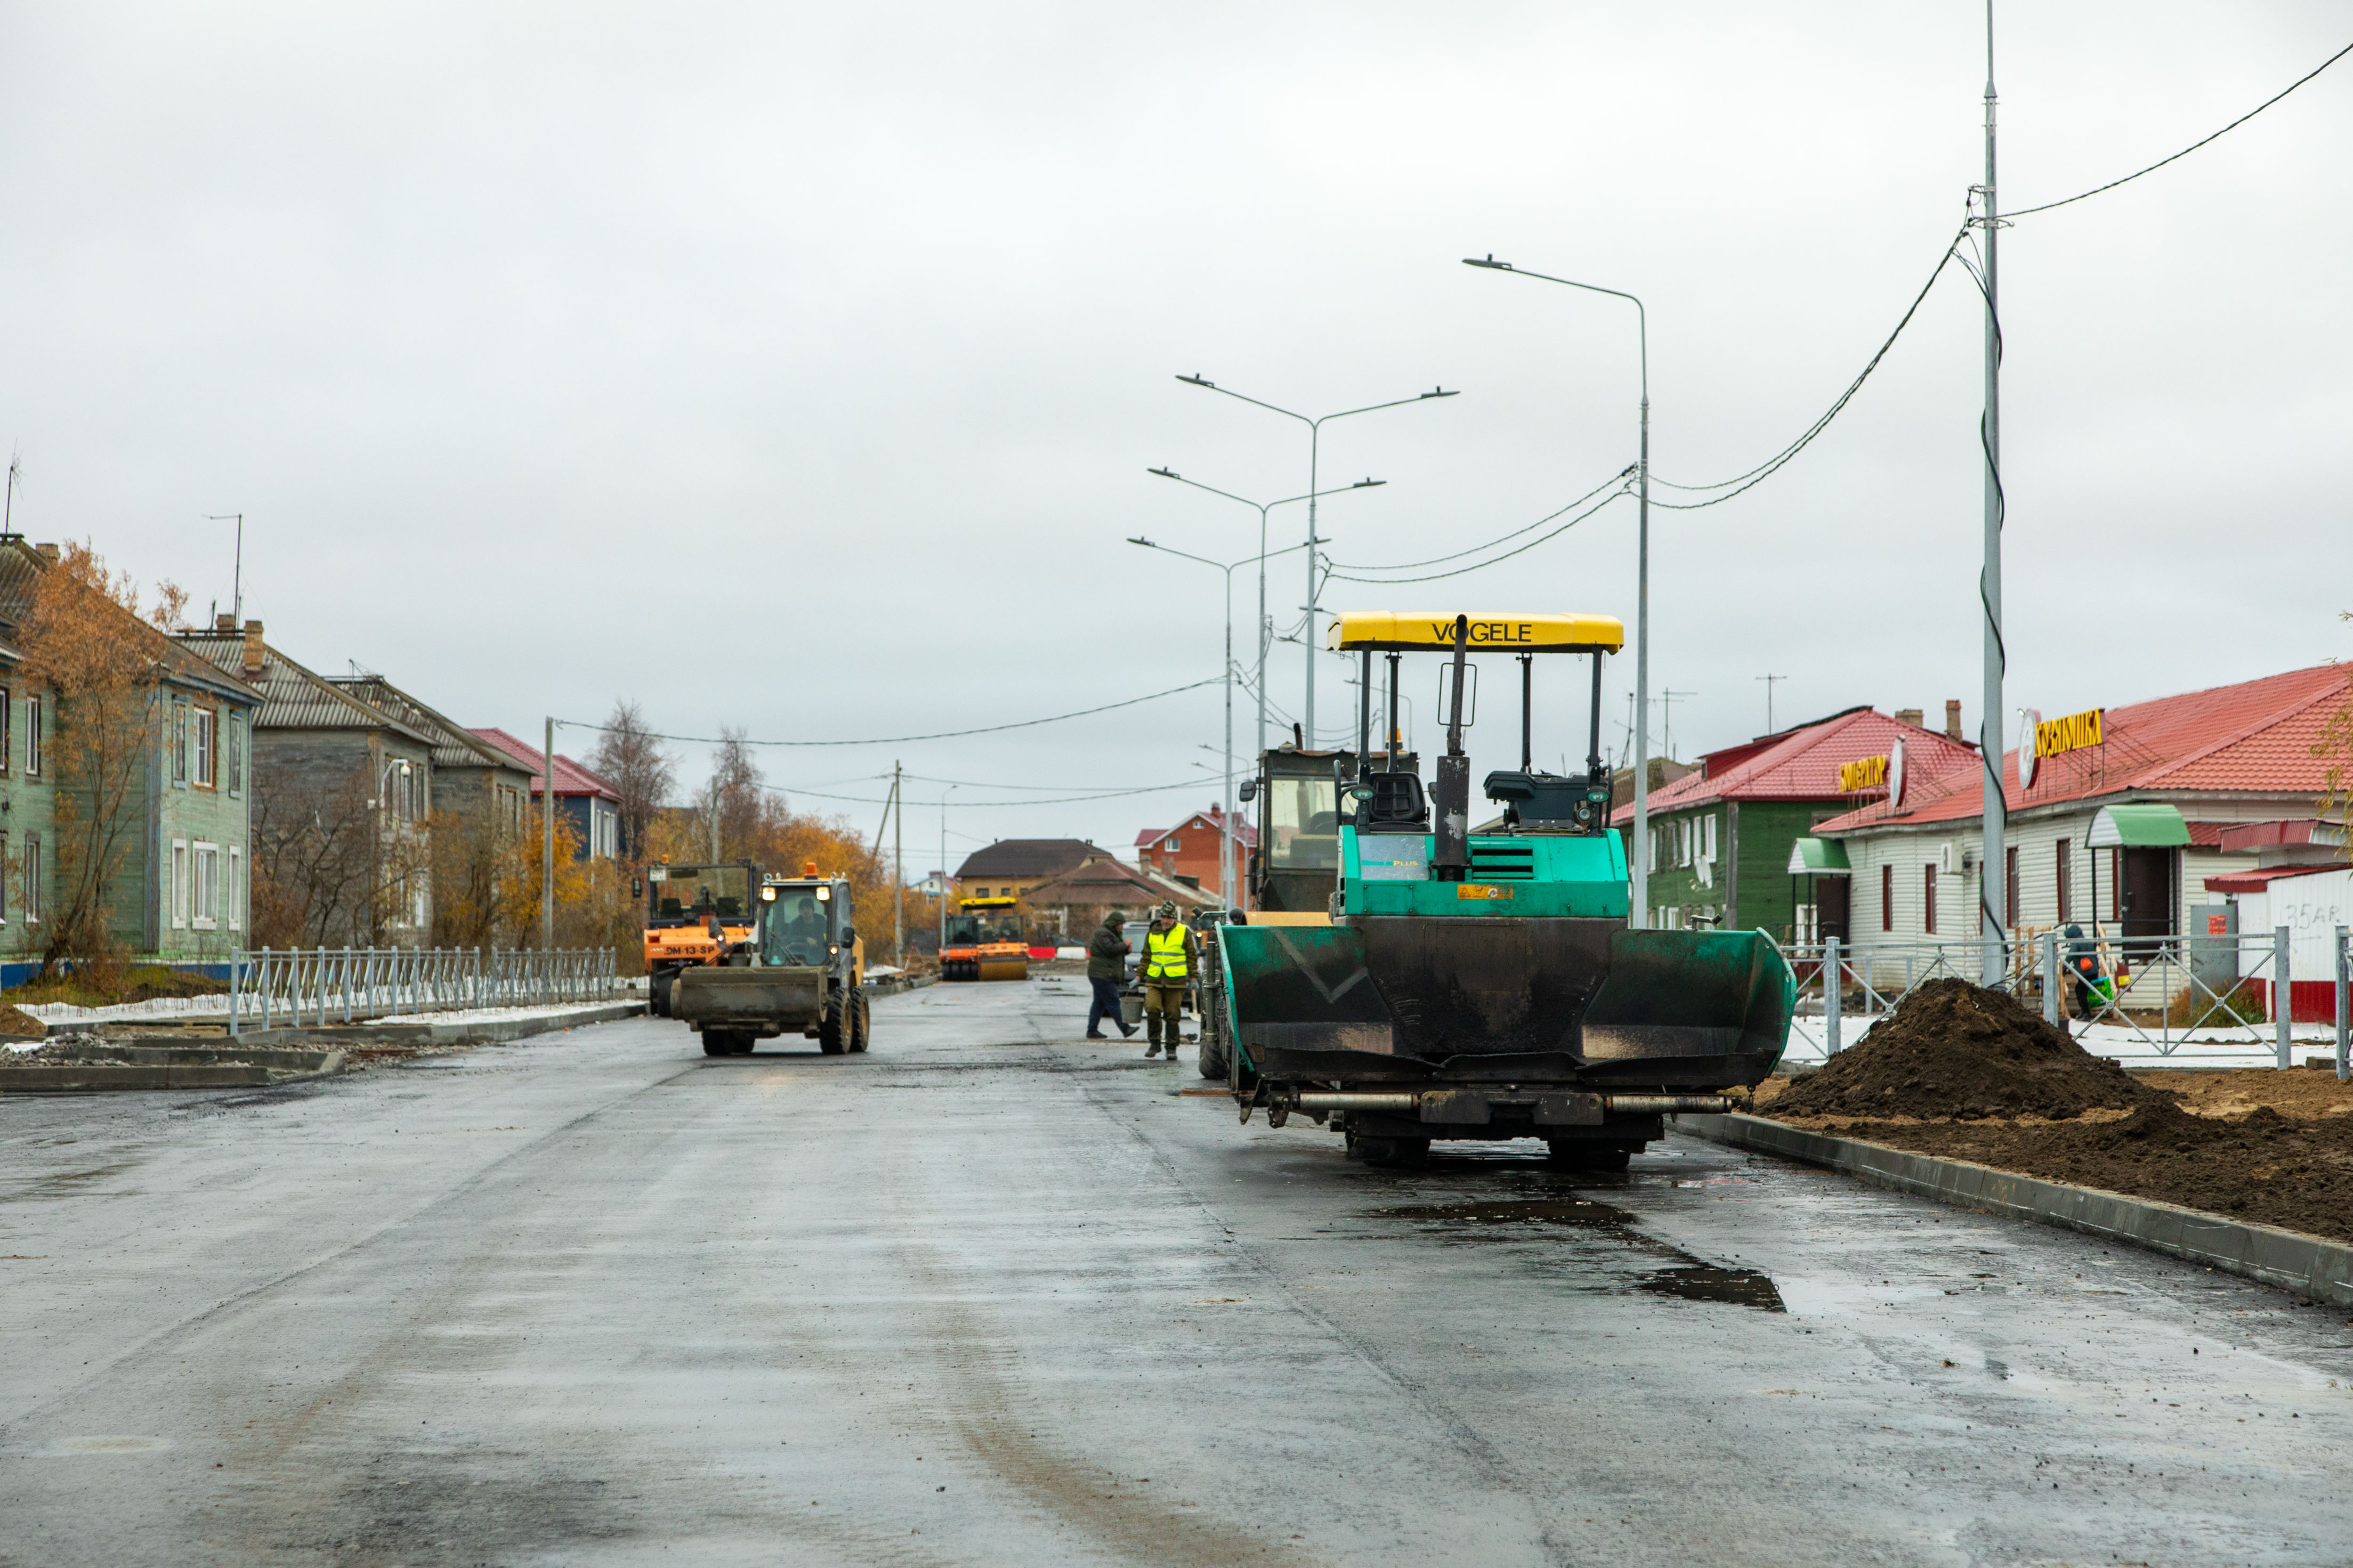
[
  {"x": 899, "y": 739},
  {"x": 960, "y": 804},
  {"x": 1619, "y": 478},
  {"x": 1617, "y": 494},
  {"x": 2161, "y": 163}
]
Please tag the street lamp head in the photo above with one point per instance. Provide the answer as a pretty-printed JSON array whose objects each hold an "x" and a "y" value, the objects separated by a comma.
[
  {"x": 1166, "y": 473},
  {"x": 1488, "y": 261},
  {"x": 1368, "y": 484},
  {"x": 1441, "y": 392},
  {"x": 1139, "y": 539},
  {"x": 1199, "y": 381}
]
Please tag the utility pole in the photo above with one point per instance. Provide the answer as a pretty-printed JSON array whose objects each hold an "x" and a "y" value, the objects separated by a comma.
[
  {"x": 1992, "y": 872},
  {"x": 897, "y": 869},
  {"x": 547, "y": 842},
  {"x": 1768, "y": 680},
  {"x": 1667, "y": 701},
  {"x": 236, "y": 576}
]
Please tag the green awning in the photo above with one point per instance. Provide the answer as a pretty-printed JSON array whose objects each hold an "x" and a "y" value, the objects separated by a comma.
[
  {"x": 2142, "y": 824},
  {"x": 1818, "y": 857}
]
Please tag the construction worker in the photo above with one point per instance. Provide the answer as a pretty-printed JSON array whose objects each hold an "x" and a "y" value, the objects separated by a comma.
[
  {"x": 2092, "y": 990},
  {"x": 1106, "y": 967},
  {"x": 1171, "y": 955}
]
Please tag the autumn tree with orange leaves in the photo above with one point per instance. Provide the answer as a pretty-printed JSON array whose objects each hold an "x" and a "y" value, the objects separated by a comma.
[{"x": 84, "y": 643}]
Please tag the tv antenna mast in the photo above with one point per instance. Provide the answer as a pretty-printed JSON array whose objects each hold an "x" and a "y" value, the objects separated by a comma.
[{"x": 236, "y": 579}]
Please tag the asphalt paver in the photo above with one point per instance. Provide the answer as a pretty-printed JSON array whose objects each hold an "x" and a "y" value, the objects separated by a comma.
[{"x": 990, "y": 1293}]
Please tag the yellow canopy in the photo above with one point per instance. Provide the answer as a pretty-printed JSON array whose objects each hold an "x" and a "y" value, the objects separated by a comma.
[{"x": 1509, "y": 634}]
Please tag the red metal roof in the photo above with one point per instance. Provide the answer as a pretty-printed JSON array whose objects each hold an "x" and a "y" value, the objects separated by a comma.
[
  {"x": 1804, "y": 764},
  {"x": 2256, "y": 881},
  {"x": 571, "y": 778},
  {"x": 2256, "y": 737},
  {"x": 1211, "y": 820}
]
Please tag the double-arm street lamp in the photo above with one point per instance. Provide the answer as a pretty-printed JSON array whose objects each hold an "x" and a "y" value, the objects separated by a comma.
[
  {"x": 1265, "y": 631},
  {"x": 1638, "y": 854},
  {"x": 1315, "y": 424},
  {"x": 1227, "y": 881}
]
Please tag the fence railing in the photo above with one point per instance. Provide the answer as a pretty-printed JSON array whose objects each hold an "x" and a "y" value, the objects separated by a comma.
[
  {"x": 292, "y": 986},
  {"x": 2156, "y": 993}
]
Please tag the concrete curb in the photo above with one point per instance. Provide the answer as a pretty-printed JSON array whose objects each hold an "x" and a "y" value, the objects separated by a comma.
[
  {"x": 2289, "y": 1260},
  {"x": 262, "y": 1057}
]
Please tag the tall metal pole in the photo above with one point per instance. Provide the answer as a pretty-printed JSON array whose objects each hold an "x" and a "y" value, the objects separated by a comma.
[
  {"x": 898, "y": 866},
  {"x": 547, "y": 842},
  {"x": 1307, "y": 642},
  {"x": 1992, "y": 867},
  {"x": 1639, "y": 915},
  {"x": 1225, "y": 835}
]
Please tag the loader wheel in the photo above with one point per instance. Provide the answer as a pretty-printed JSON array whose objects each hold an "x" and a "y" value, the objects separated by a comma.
[
  {"x": 861, "y": 1021},
  {"x": 723, "y": 1043},
  {"x": 1388, "y": 1151},
  {"x": 830, "y": 1029}
]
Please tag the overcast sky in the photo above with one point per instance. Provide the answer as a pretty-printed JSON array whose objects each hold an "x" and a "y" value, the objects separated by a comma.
[{"x": 797, "y": 367}]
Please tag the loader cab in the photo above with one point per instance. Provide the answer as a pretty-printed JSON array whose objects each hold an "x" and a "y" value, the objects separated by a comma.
[
  {"x": 980, "y": 922},
  {"x": 801, "y": 920},
  {"x": 691, "y": 895}
]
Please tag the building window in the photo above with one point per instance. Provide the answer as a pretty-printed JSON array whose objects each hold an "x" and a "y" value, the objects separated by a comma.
[
  {"x": 179, "y": 742},
  {"x": 2009, "y": 887},
  {"x": 206, "y": 907},
  {"x": 32, "y": 866},
  {"x": 32, "y": 706},
  {"x": 206, "y": 720},
  {"x": 1887, "y": 898},
  {"x": 1708, "y": 854},
  {"x": 233, "y": 897},
  {"x": 2060, "y": 856},
  {"x": 179, "y": 889},
  {"x": 3, "y": 878},
  {"x": 1928, "y": 898},
  {"x": 1170, "y": 846},
  {"x": 236, "y": 753},
  {"x": 7, "y": 715}
]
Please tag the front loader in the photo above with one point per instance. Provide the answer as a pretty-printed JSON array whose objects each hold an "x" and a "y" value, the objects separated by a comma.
[
  {"x": 1488, "y": 984},
  {"x": 803, "y": 975}
]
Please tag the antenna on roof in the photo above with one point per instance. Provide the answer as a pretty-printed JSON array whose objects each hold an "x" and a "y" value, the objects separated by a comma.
[{"x": 236, "y": 574}]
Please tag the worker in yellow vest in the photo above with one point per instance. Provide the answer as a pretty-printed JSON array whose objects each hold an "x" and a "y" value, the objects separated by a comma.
[{"x": 1171, "y": 956}]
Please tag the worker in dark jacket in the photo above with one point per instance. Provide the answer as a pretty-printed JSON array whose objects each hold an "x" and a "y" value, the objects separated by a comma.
[
  {"x": 1106, "y": 967},
  {"x": 2091, "y": 992}
]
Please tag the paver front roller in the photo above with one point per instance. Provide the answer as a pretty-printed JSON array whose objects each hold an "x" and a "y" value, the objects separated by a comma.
[{"x": 1487, "y": 986}]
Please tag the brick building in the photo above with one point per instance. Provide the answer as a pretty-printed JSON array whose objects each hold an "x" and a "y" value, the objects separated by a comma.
[{"x": 1189, "y": 851}]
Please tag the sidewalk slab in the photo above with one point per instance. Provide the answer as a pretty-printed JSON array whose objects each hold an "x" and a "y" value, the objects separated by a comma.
[
  {"x": 70, "y": 1077},
  {"x": 2288, "y": 1261}
]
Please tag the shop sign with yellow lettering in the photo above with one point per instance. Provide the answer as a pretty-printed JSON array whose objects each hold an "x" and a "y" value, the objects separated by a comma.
[
  {"x": 1864, "y": 772},
  {"x": 2074, "y": 733}
]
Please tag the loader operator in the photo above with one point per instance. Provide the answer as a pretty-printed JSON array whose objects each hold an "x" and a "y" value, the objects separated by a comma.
[
  {"x": 1171, "y": 955},
  {"x": 804, "y": 932}
]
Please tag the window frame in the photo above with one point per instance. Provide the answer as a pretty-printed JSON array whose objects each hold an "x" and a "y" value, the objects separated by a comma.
[
  {"x": 235, "y": 896},
  {"x": 31, "y": 886},
  {"x": 179, "y": 741},
  {"x": 3, "y": 876},
  {"x": 204, "y": 866},
  {"x": 2009, "y": 887},
  {"x": 236, "y": 754},
  {"x": 7, "y": 727},
  {"x": 1928, "y": 899},
  {"x": 33, "y": 714},
  {"x": 178, "y": 892},
  {"x": 2062, "y": 854},
  {"x": 205, "y": 723},
  {"x": 1887, "y": 896}
]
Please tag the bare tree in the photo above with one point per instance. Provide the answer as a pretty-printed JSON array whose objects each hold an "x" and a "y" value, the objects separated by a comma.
[
  {"x": 631, "y": 760},
  {"x": 314, "y": 861}
]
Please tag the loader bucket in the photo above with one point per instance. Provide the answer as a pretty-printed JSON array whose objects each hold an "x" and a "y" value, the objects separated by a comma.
[{"x": 1491, "y": 1000}]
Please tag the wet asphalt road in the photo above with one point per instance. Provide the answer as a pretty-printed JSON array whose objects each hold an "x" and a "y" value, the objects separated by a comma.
[{"x": 991, "y": 1295}]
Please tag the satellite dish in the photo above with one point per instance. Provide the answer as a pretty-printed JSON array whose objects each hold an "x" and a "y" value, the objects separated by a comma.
[
  {"x": 1895, "y": 773},
  {"x": 2027, "y": 747}
]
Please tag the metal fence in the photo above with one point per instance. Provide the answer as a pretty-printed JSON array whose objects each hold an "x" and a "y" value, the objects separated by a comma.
[
  {"x": 2161, "y": 991},
  {"x": 292, "y": 986}
]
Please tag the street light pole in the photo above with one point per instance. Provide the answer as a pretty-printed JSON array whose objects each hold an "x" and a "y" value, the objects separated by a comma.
[
  {"x": 1227, "y": 881},
  {"x": 1638, "y": 854},
  {"x": 1993, "y": 867},
  {"x": 1315, "y": 424},
  {"x": 944, "y": 871},
  {"x": 1265, "y": 631}
]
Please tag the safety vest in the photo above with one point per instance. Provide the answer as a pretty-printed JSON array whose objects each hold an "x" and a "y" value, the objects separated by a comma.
[{"x": 1167, "y": 954}]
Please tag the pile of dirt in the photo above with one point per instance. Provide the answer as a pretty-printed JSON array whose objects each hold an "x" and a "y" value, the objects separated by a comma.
[
  {"x": 2261, "y": 1167},
  {"x": 16, "y": 1022},
  {"x": 1954, "y": 1050}
]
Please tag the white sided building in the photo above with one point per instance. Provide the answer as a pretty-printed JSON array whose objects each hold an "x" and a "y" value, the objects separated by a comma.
[{"x": 2125, "y": 819}]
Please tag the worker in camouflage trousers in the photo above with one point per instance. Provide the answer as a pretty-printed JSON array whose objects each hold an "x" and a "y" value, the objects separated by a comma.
[{"x": 1171, "y": 956}]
